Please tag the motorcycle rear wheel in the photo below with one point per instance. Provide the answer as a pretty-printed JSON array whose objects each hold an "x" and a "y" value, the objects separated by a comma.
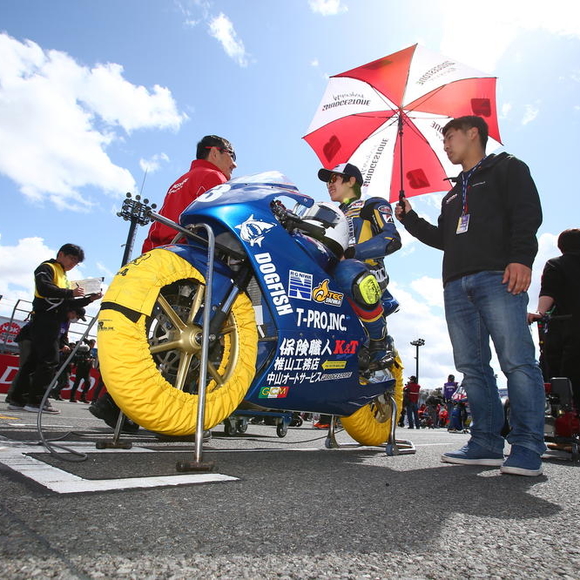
[
  {"x": 371, "y": 424},
  {"x": 150, "y": 348}
]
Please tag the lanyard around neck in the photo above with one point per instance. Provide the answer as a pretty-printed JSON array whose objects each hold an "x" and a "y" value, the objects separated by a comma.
[{"x": 465, "y": 176}]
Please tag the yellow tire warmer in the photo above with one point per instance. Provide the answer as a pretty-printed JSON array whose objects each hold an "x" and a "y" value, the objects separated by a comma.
[
  {"x": 128, "y": 368},
  {"x": 367, "y": 425}
]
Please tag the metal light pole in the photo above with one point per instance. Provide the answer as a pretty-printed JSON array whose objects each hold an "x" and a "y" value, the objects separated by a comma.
[
  {"x": 135, "y": 211},
  {"x": 417, "y": 343}
]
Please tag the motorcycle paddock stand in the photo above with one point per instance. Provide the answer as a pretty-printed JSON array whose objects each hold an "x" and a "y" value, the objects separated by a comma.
[
  {"x": 198, "y": 464},
  {"x": 115, "y": 443},
  {"x": 393, "y": 446}
]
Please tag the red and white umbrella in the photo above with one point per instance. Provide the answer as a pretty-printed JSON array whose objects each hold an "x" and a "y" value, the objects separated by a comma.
[{"x": 386, "y": 117}]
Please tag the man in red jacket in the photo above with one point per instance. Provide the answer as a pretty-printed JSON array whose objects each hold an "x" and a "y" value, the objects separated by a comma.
[
  {"x": 214, "y": 163},
  {"x": 412, "y": 391}
]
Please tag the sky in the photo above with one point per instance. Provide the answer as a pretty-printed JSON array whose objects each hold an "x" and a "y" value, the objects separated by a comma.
[{"x": 102, "y": 98}]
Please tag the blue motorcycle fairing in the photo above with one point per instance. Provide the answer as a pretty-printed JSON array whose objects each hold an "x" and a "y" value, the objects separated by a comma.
[
  {"x": 262, "y": 187},
  {"x": 316, "y": 250}
]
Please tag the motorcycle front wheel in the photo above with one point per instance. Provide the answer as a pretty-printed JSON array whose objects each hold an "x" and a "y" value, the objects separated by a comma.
[
  {"x": 371, "y": 424},
  {"x": 149, "y": 345}
]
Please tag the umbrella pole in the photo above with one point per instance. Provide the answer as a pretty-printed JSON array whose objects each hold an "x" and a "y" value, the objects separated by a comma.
[{"x": 401, "y": 191}]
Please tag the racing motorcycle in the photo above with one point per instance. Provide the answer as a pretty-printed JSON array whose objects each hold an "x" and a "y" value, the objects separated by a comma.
[{"x": 281, "y": 334}]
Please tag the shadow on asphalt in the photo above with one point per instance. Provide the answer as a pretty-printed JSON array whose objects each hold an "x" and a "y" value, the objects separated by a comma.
[{"x": 300, "y": 501}]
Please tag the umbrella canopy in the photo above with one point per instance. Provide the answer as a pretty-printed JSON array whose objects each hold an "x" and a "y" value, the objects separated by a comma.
[{"x": 386, "y": 117}]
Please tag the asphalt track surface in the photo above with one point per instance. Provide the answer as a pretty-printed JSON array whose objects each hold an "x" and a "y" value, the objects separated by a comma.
[{"x": 283, "y": 508}]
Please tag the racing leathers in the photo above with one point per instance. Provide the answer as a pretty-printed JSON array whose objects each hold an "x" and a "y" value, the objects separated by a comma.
[
  {"x": 362, "y": 273},
  {"x": 373, "y": 234}
]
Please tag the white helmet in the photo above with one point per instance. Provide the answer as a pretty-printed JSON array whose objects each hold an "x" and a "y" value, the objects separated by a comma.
[{"x": 336, "y": 236}]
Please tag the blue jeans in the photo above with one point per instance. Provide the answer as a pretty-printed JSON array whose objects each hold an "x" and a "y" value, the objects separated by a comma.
[
  {"x": 413, "y": 415},
  {"x": 477, "y": 307}
]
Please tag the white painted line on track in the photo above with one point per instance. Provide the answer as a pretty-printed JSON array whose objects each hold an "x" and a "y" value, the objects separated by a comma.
[
  {"x": 446, "y": 444},
  {"x": 33, "y": 425},
  {"x": 59, "y": 481}
]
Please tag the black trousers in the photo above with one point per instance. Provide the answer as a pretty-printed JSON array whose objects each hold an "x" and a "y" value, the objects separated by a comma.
[
  {"x": 42, "y": 362},
  {"x": 562, "y": 354},
  {"x": 82, "y": 373}
]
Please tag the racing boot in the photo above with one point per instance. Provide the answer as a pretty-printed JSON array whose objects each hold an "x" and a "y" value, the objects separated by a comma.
[
  {"x": 364, "y": 358},
  {"x": 381, "y": 353}
]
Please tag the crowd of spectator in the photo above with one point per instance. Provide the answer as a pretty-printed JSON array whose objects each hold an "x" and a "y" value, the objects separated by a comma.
[{"x": 441, "y": 408}]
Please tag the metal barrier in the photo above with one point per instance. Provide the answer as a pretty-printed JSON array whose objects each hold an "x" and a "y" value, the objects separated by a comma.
[{"x": 76, "y": 331}]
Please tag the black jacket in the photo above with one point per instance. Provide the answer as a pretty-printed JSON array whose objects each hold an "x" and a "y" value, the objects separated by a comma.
[
  {"x": 561, "y": 281},
  {"x": 505, "y": 214},
  {"x": 50, "y": 299}
]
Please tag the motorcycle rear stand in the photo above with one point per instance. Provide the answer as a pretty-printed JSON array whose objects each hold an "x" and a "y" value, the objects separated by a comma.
[
  {"x": 392, "y": 447},
  {"x": 115, "y": 442},
  {"x": 197, "y": 464}
]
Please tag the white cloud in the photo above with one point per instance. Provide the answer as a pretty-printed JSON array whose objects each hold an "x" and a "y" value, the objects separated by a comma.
[
  {"x": 505, "y": 110},
  {"x": 222, "y": 29},
  {"x": 429, "y": 206},
  {"x": 530, "y": 113},
  {"x": 151, "y": 165},
  {"x": 118, "y": 102},
  {"x": 314, "y": 62},
  {"x": 408, "y": 242},
  {"x": 477, "y": 46},
  {"x": 190, "y": 19},
  {"x": 327, "y": 7},
  {"x": 57, "y": 119},
  {"x": 431, "y": 289},
  {"x": 433, "y": 200},
  {"x": 105, "y": 271},
  {"x": 17, "y": 263}
]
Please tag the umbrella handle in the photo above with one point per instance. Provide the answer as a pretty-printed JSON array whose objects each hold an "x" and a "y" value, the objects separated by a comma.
[{"x": 401, "y": 203}]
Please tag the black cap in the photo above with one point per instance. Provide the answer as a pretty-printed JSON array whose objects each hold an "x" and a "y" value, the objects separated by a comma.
[
  {"x": 347, "y": 169},
  {"x": 80, "y": 312}
]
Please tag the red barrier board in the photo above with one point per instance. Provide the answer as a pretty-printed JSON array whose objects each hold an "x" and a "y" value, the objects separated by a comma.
[{"x": 9, "y": 368}]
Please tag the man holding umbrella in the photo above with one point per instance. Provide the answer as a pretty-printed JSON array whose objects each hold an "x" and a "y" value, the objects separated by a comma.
[{"x": 487, "y": 231}]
